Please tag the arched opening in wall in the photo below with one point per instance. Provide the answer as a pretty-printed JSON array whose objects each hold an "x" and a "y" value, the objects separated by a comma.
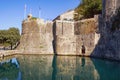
[{"x": 83, "y": 50}]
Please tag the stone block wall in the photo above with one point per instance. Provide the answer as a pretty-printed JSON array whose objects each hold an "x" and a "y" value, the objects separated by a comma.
[
  {"x": 64, "y": 27},
  {"x": 86, "y": 26},
  {"x": 71, "y": 36},
  {"x": 68, "y": 37},
  {"x": 36, "y": 37},
  {"x": 65, "y": 39},
  {"x": 66, "y": 45},
  {"x": 59, "y": 37},
  {"x": 88, "y": 40}
]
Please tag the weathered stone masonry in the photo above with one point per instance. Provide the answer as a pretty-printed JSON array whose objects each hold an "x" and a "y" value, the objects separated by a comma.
[
  {"x": 109, "y": 43},
  {"x": 71, "y": 36},
  {"x": 36, "y": 37},
  {"x": 59, "y": 37}
]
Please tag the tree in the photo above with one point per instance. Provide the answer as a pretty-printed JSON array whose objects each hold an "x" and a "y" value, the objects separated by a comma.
[
  {"x": 87, "y": 9},
  {"x": 13, "y": 36},
  {"x": 3, "y": 36},
  {"x": 9, "y": 37}
]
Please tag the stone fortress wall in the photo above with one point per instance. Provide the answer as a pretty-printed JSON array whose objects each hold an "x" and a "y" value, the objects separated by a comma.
[
  {"x": 71, "y": 36},
  {"x": 67, "y": 37},
  {"x": 36, "y": 37},
  {"x": 60, "y": 37}
]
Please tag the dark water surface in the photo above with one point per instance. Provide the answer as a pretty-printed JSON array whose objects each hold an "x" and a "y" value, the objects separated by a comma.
[{"x": 43, "y": 67}]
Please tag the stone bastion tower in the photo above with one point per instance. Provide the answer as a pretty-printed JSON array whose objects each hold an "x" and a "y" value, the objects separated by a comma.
[{"x": 36, "y": 36}]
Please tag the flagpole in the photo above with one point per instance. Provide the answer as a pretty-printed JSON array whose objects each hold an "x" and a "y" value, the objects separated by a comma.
[
  {"x": 30, "y": 10},
  {"x": 25, "y": 11},
  {"x": 39, "y": 12}
]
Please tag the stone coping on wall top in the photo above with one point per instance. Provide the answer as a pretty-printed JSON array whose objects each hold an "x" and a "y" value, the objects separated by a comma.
[
  {"x": 38, "y": 21},
  {"x": 64, "y": 21},
  {"x": 29, "y": 20},
  {"x": 86, "y": 20},
  {"x": 61, "y": 35}
]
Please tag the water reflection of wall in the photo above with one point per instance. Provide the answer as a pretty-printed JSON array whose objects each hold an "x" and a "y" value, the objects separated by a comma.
[
  {"x": 35, "y": 67},
  {"x": 73, "y": 68}
]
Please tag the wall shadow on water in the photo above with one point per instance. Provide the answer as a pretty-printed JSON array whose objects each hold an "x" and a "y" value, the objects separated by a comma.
[
  {"x": 73, "y": 68},
  {"x": 108, "y": 70},
  {"x": 54, "y": 72}
]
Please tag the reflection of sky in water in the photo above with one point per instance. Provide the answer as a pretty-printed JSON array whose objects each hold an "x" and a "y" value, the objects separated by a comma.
[
  {"x": 19, "y": 76},
  {"x": 14, "y": 60}
]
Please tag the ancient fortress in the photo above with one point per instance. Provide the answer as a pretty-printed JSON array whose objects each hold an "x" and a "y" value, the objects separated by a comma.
[{"x": 63, "y": 36}]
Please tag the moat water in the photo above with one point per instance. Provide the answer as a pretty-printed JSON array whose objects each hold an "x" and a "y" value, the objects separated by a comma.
[{"x": 47, "y": 67}]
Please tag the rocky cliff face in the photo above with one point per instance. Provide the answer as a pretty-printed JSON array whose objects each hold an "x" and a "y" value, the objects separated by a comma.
[
  {"x": 109, "y": 42},
  {"x": 36, "y": 37}
]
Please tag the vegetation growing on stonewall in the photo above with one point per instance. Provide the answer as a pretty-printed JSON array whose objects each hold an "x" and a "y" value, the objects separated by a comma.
[
  {"x": 9, "y": 37},
  {"x": 34, "y": 18},
  {"x": 87, "y": 9}
]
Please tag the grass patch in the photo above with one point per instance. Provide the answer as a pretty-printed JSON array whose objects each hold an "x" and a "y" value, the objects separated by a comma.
[
  {"x": 41, "y": 46},
  {"x": 34, "y": 18}
]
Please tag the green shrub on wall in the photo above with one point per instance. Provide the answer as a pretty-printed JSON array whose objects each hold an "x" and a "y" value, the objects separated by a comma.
[{"x": 34, "y": 18}]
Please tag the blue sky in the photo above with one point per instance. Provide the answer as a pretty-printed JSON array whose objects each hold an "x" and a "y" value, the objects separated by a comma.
[{"x": 12, "y": 11}]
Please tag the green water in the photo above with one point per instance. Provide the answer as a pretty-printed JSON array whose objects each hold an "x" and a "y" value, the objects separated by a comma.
[{"x": 42, "y": 67}]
